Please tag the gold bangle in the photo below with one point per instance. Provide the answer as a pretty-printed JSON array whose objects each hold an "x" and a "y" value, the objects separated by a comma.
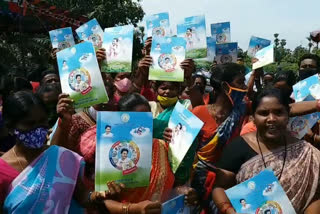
[{"x": 125, "y": 208}]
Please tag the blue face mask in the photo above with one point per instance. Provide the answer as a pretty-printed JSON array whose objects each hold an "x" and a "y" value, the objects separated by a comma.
[
  {"x": 33, "y": 139},
  {"x": 236, "y": 95}
]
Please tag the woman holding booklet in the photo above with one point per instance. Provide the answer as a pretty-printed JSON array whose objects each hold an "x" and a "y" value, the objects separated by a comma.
[
  {"x": 295, "y": 162},
  {"x": 162, "y": 181},
  {"x": 37, "y": 178}
]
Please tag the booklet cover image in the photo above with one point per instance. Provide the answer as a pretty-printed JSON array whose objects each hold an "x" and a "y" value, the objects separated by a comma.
[
  {"x": 118, "y": 42},
  {"x": 158, "y": 25},
  {"x": 185, "y": 127},
  {"x": 124, "y": 149},
  {"x": 92, "y": 32},
  {"x": 80, "y": 75},
  {"x": 261, "y": 194},
  {"x": 62, "y": 38},
  {"x": 226, "y": 53},
  {"x": 193, "y": 30},
  {"x": 222, "y": 32},
  {"x": 203, "y": 65},
  {"x": 256, "y": 44},
  {"x": 167, "y": 54}
]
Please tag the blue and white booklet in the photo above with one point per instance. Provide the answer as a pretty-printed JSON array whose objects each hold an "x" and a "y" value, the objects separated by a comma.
[
  {"x": 167, "y": 54},
  {"x": 185, "y": 128},
  {"x": 62, "y": 38},
  {"x": 265, "y": 57},
  {"x": 174, "y": 206},
  {"x": 307, "y": 87},
  {"x": 300, "y": 125},
  {"x": 226, "y": 53},
  {"x": 193, "y": 30},
  {"x": 124, "y": 149},
  {"x": 256, "y": 44},
  {"x": 259, "y": 195},
  {"x": 158, "y": 25},
  {"x": 91, "y": 32},
  {"x": 222, "y": 32},
  {"x": 118, "y": 42},
  {"x": 203, "y": 65},
  {"x": 80, "y": 75}
]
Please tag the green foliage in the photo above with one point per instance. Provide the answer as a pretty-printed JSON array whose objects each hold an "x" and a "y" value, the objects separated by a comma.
[
  {"x": 26, "y": 53},
  {"x": 196, "y": 53}
]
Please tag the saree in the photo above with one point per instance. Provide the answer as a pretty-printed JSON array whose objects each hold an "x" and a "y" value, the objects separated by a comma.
[
  {"x": 161, "y": 178},
  {"x": 47, "y": 184},
  {"x": 208, "y": 153},
  {"x": 300, "y": 176}
]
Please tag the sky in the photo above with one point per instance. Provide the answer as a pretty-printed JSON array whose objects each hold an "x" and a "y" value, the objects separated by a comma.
[{"x": 292, "y": 19}]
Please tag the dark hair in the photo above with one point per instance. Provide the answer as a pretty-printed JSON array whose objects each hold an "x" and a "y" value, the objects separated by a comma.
[
  {"x": 268, "y": 73},
  {"x": 203, "y": 79},
  {"x": 176, "y": 84},
  {"x": 225, "y": 73},
  {"x": 116, "y": 39},
  {"x": 18, "y": 105},
  {"x": 125, "y": 149},
  {"x": 54, "y": 87},
  {"x": 242, "y": 199},
  {"x": 78, "y": 75},
  {"x": 271, "y": 92},
  {"x": 266, "y": 211},
  {"x": 288, "y": 76},
  {"x": 189, "y": 29},
  {"x": 10, "y": 83},
  {"x": 107, "y": 126},
  {"x": 130, "y": 101},
  {"x": 48, "y": 71},
  {"x": 310, "y": 56}
]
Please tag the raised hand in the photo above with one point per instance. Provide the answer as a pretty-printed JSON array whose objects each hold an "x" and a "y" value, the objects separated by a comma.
[
  {"x": 65, "y": 108},
  {"x": 167, "y": 135}
]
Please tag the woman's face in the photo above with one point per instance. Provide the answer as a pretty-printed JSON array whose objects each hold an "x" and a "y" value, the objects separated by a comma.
[
  {"x": 271, "y": 118},
  {"x": 239, "y": 82},
  {"x": 37, "y": 117},
  {"x": 121, "y": 76},
  {"x": 168, "y": 89}
]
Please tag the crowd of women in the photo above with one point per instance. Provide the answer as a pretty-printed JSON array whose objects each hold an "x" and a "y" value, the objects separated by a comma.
[{"x": 47, "y": 161}]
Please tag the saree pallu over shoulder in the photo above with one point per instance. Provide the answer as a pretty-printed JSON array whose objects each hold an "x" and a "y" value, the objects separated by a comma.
[
  {"x": 300, "y": 176},
  {"x": 47, "y": 184},
  {"x": 161, "y": 178}
]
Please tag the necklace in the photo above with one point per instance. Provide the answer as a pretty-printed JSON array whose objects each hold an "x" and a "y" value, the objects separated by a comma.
[
  {"x": 284, "y": 156},
  {"x": 15, "y": 154}
]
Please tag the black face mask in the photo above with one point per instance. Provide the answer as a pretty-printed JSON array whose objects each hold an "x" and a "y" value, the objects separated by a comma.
[{"x": 307, "y": 72}]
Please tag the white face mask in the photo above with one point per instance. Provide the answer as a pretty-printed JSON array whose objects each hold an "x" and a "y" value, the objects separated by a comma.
[{"x": 93, "y": 113}]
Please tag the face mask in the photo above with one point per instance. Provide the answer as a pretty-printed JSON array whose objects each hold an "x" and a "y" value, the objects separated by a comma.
[
  {"x": 123, "y": 85},
  {"x": 33, "y": 139},
  {"x": 307, "y": 72},
  {"x": 236, "y": 95},
  {"x": 167, "y": 101}
]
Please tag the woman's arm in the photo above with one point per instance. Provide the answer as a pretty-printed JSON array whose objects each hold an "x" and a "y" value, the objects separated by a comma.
[
  {"x": 304, "y": 107},
  {"x": 313, "y": 208}
]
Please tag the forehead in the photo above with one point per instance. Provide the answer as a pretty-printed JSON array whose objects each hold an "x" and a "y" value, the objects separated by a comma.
[
  {"x": 270, "y": 102},
  {"x": 308, "y": 62},
  {"x": 51, "y": 76}
]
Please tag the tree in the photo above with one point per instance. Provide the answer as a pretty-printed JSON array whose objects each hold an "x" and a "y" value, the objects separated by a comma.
[{"x": 25, "y": 52}]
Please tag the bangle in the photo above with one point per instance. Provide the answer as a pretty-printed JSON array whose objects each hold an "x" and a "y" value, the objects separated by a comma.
[
  {"x": 89, "y": 196},
  {"x": 224, "y": 211},
  {"x": 125, "y": 208}
]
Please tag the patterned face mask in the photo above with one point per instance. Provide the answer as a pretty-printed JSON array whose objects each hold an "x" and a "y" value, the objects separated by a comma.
[{"x": 33, "y": 139}]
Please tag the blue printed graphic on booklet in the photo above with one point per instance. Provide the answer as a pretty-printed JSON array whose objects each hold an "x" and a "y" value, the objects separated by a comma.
[
  {"x": 257, "y": 44},
  {"x": 158, "y": 25},
  {"x": 62, "y": 38},
  {"x": 118, "y": 43},
  {"x": 300, "y": 125},
  {"x": 92, "y": 32},
  {"x": 307, "y": 87},
  {"x": 174, "y": 206},
  {"x": 185, "y": 127},
  {"x": 124, "y": 149},
  {"x": 259, "y": 195},
  {"x": 203, "y": 65},
  {"x": 193, "y": 30},
  {"x": 167, "y": 54},
  {"x": 264, "y": 57},
  {"x": 80, "y": 75},
  {"x": 226, "y": 53},
  {"x": 221, "y": 31}
]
